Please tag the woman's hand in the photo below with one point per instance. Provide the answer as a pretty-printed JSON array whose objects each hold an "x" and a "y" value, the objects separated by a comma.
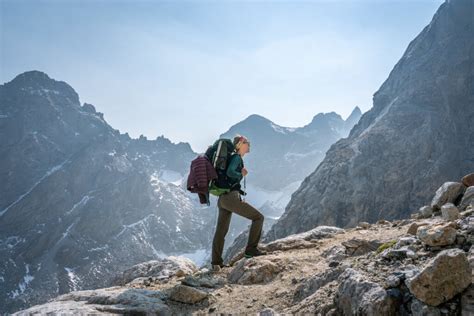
[{"x": 244, "y": 171}]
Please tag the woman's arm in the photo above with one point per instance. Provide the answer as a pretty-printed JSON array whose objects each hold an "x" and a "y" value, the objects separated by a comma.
[{"x": 232, "y": 169}]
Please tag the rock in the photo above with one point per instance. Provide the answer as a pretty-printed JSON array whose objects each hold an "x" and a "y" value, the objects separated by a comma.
[
  {"x": 335, "y": 253},
  {"x": 405, "y": 241},
  {"x": 267, "y": 312},
  {"x": 419, "y": 308},
  {"x": 398, "y": 254},
  {"x": 382, "y": 222},
  {"x": 449, "y": 212},
  {"x": 425, "y": 211},
  {"x": 159, "y": 269},
  {"x": 186, "y": 294},
  {"x": 414, "y": 227},
  {"x": 393, "y": 280},
  {"x": 314, "y": 283},
  {"x": 253, "y": 271},
  {"x": 468, "y": 180},
  {"x": 467, "y": 301},
  {"x": 203, "y": 280},
  {"x": 112, "y": 300},
  {"x": 303, "y": 240},
  {"x": 437, "y": 235},
  {"x": 356, "y": 247},
  {"x": 364, "y": 225},
  {"x": 445, "y": 276},
  {"x": 468, "y": 212},
  {"x": 467, "y": 198},
  {"x": 358, "y": 296},
  {"x": 447, "y": 193}
]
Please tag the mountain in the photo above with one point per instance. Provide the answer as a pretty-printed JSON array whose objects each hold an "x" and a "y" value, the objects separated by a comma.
[
  {"x": 293, "y": 152},
  {"x": 280, "y": 157},
  {"x": 80, "y": 200},
  {"x": 418, "y": 134}
]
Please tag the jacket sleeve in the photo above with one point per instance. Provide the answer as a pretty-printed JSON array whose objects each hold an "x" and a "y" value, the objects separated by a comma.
[{"x": 232, "y": 168}]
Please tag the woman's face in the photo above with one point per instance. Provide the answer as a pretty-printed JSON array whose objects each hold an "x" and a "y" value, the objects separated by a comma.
[{"x": 244, "y": 148}]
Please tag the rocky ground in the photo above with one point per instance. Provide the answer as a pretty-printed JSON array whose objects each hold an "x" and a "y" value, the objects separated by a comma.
[{"x": 418, "y": 266}]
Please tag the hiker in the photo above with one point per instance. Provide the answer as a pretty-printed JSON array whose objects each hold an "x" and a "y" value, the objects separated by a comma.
[{"x": 231, "y": 202}]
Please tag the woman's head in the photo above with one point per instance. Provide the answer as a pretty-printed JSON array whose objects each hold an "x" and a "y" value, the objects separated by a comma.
[{"x": 241, "y": 144}]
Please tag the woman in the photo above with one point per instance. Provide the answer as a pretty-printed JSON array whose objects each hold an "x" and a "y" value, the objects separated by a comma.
[{"x": 231, "y": 202}]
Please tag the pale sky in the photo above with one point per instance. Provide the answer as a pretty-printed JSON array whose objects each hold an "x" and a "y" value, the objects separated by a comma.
[{"x": 189, "y": 70}]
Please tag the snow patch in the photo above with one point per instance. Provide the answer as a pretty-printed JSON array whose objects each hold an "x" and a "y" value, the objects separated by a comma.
[
  {"x": 81, "y": 203},
  {"x": 73, "y": 278},
  {"x": 27, "y": 278},
  {"x": 47, "y": 174}
]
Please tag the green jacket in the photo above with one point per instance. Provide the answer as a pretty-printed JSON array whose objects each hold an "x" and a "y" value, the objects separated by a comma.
[{"x": 234, "y": 171}]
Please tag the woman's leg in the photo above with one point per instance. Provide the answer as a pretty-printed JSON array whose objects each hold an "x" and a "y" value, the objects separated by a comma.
[
  {"x": 222, "y": 228},
  {"x": 232, "y": 201}
]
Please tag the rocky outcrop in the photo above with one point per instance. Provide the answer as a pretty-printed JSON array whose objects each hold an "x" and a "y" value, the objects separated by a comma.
[
  {"x": 113, "y": 300},
  {"x": 358, "y": 296},
  {"x": 398, "y": 154},
  {"x": 158, "y": 270},
  {"x": 254, "y": 271}
]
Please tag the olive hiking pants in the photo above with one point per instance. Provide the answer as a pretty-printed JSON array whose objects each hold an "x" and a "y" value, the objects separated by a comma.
[{"x": 229, "y": 203}]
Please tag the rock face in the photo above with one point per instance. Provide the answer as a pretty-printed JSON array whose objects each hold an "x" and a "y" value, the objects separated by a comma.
[
  {"x": 445, "y": 276},
  {"x": 397, "y": 154},
  {"x": 113, "y": 201}
]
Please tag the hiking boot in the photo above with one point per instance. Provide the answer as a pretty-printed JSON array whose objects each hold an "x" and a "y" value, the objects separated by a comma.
[
  {"x": 254, "y": 253},
  {"x": 218, "y": 267}
]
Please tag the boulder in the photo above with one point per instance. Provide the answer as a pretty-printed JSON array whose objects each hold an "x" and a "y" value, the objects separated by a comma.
[
  {"x": 311, "y": 285},
  {"x": 112, "y": 300},
  {"x": 303, "y": 240},
  {"x": 158, "y": 269},
  {"x": 468, "y": 180},
  {"x": 253, "y": 271},
  {"x": 358, "y": 296},
  {"x": 447, "y": 193},
  {"x": 445, "y": 276},
  {"x": 437, "y": 235},
  {"x": 419, "y": 308},
  {"x": 414, "y": 228},
  {"x": 449, "y": 212},
  {"x": 467, "y": 198},
  {"x": 356, "y": 246},
  {"x": 186, "y": 294},
  {"x": 467, "y": 301},
  {"x": 425, "y": 211},
  {"x": 203, "y": 280}
]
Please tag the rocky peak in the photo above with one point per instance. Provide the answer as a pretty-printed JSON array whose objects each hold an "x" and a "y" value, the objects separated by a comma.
[
  {"x": 408, "y": 143},
  {"x": 39, "y": 83}
]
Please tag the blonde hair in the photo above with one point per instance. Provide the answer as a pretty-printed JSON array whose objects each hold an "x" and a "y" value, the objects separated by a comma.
[{"x": 238, "y": 140}]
